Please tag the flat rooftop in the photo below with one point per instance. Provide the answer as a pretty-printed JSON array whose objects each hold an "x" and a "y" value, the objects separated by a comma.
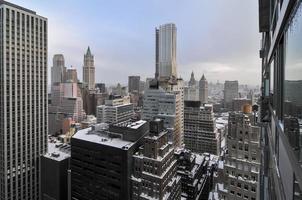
[
  {"x": 16, "y": 6},
  {"x": 57, "y": 151}
]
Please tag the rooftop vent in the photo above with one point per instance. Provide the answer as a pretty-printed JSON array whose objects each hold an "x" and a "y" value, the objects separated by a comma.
[{"x": 55, "y": 154}]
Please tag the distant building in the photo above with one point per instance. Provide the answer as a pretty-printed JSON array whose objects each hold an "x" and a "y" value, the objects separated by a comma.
[
  {"x": 200, "y": 133},
  {"x": 154, "y": 171},
  {"x": 165, "y": 50},
  {"x": 230, "y": 93},
  {"x": 58, "y": 70},
  {"x": 239, "y": 103},
  {"x": 242, "y": 162},
  {"x": 116, "y": 109},
  {"x": 203, "y": 90},
  {"x": 101, "y": 87},
  {"x": 54, "y": 171},
  {"x": 89, "y": 70},
  {"x": 196, "y": 179},
  {"x": 101, "y": 160},
  {"x": 191, "y": 92},
  {"x": 72, "y": 75},
  {"x": 133, "y": 84}
]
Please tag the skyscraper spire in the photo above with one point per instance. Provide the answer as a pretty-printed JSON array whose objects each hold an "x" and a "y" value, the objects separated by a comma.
[
  {"x": 89, "y": 70},
  {"x": 88, "y": 51}
]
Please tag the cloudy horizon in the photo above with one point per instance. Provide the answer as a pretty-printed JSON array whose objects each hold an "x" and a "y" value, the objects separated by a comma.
[{"x": 218, "y": 38}]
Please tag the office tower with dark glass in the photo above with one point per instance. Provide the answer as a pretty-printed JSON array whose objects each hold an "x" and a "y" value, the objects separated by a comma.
[
  {"x": 281, "y": 102},
  {"x": 231, "y": 89},
  {"x": 89, "y": 70},
  {"x": 23, "y": 97},
  {"x": 133, "y": 84}
]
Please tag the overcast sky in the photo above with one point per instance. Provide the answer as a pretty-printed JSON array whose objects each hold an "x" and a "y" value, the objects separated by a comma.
[{"x": 217, "y": 37}]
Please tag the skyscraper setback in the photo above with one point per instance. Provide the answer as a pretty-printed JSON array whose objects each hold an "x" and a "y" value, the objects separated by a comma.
[
  {"x": 165, "y": 51},
  {"x": 89, "y": 70},
  {"x": 23, "y": 93}
]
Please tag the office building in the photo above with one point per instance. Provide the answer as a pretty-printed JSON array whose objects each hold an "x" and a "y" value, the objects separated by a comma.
[
  {"x": 230, "y": 93},
  {"x": 203, "y": 90},
  {"x": 101, "y": 87},
  {"x": 191, "y": 92},
  {"x": 116, "y": 109},
  {"x": 54, "y": 171},
  {"x": 165, "y": 51},
  {"x": 24, "y": 100},
  {"x": 200, "y": 134},
  {"x": 166, "y": 105},
  {"x": 133, "y": 84},
  {"x": 239, "y": 103},
  {"x": 243, "y": 159},
  {"x": 58, "y": 69},
  {"x": 280, "y": 109},
  {"x": 72, "y": 75},
  {"x": 154, "y": 170},
  {"x": 89, "y": 70},
  {"x": 101, "y": 160}
]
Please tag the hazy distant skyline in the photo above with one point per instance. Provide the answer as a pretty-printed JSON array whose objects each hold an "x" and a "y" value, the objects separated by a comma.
[{"x": 216, "y": 37}]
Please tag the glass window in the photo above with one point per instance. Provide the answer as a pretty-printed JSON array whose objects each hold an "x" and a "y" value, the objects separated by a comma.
[{"x": 293, "y": 84}]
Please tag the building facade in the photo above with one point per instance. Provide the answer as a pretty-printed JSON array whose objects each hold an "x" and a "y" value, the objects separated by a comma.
[
  {"x": 203, "y": 90},
  {"x": 242, "y": 161},
  {"x": 280, "y": 113},
  {"x": 72, "y": 75},
  {"x": 166, "y": 51},
  {"x": 200, "y": 133},
  {"x": 58, "y": 70},
  {"x": 89, "y": 70},
  {"x": 133, "y": 84},
  {"x": 24, "y": 101},
  {"x": 154, "y": 170},
  {"x": 231, "y": 90}
]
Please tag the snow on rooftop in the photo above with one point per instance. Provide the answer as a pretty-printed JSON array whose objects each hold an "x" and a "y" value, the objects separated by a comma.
[
  {"x": 101, "y": 137},
  {"x": 57, "y": 151}
]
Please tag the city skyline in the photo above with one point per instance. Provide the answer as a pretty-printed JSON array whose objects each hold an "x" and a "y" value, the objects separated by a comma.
[{"x": 126, "y": 47}]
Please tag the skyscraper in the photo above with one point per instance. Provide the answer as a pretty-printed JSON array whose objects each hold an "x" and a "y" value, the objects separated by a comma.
[
  {"x": 133, "y": 83},
  {"x": 23, "y": 97},
  {"x": 89, "y": 70},
  {"x": 165, "y": 52},
  {"x": 58, "y": 69},
  {"x": 230, "y": 92},
  {"x": 72, "y": 75},
  {"x": 203, "y": 90}
]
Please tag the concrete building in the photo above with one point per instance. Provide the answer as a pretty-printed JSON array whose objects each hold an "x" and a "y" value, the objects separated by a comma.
[
  {"x": 203, "y": 90},
  {"x": 166, "y": 104},
  {"x": 242, "y": 162},
  {"x": 239, "y": 103},
  {"x": 191, "y": 92},
  {"x": 133, "y": 84},
  {"x": 116, "y": 109},
  {"x": 89, "y": 70},
  {"x": 230, "y": 93},
  {"x": 72, "y": 75},
  {"x": 101, "y": 87},
  {"x": 24, "y": 100},
  {"x": 196, "y": 179},
  {"x": 54, "y": 171},
  {"x": 200, "y": 134},
  {"x": 154, "y": 171},
  {"x": 165, "y": 51},
  {"x": 58, "y": 69},
  {"x": 101, "y": 160}
]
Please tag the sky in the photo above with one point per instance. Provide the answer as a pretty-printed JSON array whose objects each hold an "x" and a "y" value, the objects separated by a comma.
[{"x": 219, "y": 38}]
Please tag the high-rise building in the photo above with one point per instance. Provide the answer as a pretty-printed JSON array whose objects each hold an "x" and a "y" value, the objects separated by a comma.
[
  {"x": 230, "y": 92},
  {"x": 58, "y": 69},
  {"x": 89, "y": 70},
  {"x": 133, "y": 84},
  {"x": 191, "y": 92},
  {"x": 242, "y": 161},
  {"x": 154, "y": 170},
  {"x": 200, "y": 133},
  {"x": 72, "y": 75},
  {"x": 203, "y": 90},
  {"x": 165, "y": 51},
  {"x": 281, "y": 100},
  {"x": 101, "y": 87},
  {"x": 116, "y": 109},
  {"x": 101, "y": 160},
  {"x": 24, "y": 101},
  {"x": 166, "y": 105}
]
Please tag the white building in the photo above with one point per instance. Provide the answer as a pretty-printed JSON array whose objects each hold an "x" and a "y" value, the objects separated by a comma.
[
  {"x": 116, "y": 109},
  {"x": 24, "y": 101},
  {"x": 89, "y": 70}
]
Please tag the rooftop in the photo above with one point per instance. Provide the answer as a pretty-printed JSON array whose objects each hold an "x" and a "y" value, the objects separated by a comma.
[
  {"x": 16, "y": 6},
  {"x": 57, "y": 151}
]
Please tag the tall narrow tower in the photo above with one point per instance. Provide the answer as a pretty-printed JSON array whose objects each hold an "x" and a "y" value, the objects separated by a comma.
[
  {"x": 58, "y": 69},
  {"x": 23, "y": 101},
  {"x": 203, "y": 90},
  {"x": 89, "y": 70},
  {"x": 166, "y": 50}
]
